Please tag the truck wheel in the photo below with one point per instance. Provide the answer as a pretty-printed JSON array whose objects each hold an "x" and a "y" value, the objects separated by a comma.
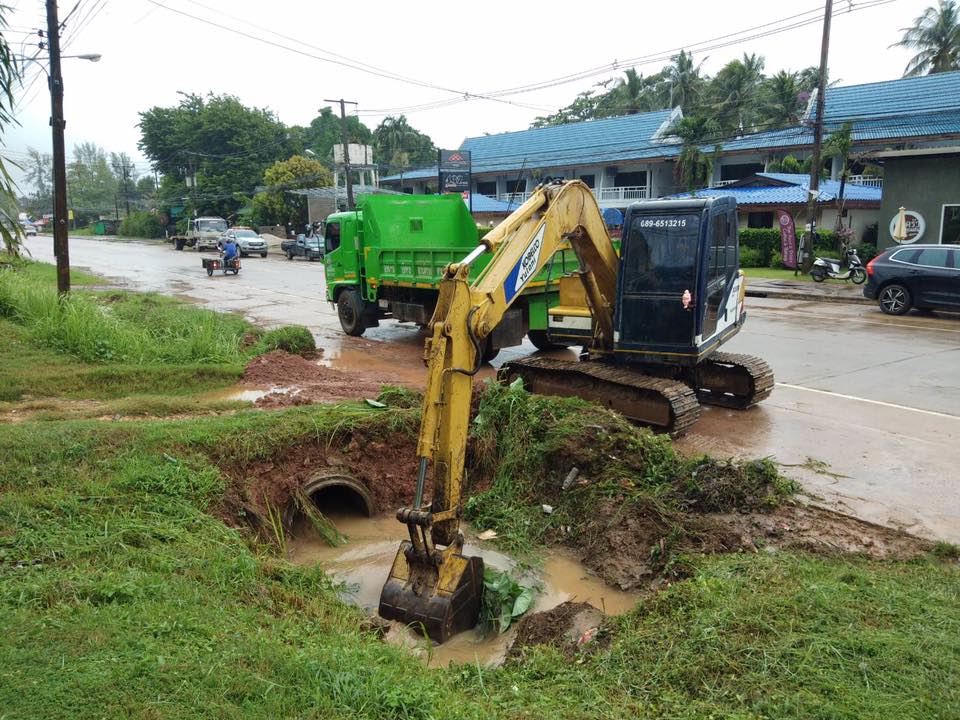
[
  {"x": 210, "y": 272},
  {"x": 263, "y": 255},
  {"x": 540, "y": 341},
  {"x": 350, "y": 311},
  {"x": 289, "y": 255}
]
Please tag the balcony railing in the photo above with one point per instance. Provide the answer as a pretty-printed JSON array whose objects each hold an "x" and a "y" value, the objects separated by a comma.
[
  {"x": 868, "y": 180},
  {"x": 628, "y": 192},
  {"x": 516, "y": 197},
  {"x": 721, "y": 183}
]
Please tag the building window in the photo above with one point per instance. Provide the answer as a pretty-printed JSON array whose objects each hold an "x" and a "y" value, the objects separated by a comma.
[
  {"x": 428, "y": 189},
  {"x": 739, "y": 171},
  {"x": 630, "y": 179},
  {"x": 589, "y": 180},
  {"x": 488, "y": 188},
  {"x": 950, "y": 227},
  {"x": 760, "y": 220},
  {"x": 516, "y": 186},
  {"x": 408, "y": 190}
]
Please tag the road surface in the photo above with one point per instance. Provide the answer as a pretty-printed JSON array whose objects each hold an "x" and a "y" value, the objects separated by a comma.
[{"x": 866, "y": 413}]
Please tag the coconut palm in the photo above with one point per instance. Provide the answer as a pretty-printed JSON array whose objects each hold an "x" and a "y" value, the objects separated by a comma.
[
  {"x": 936, "y": 37},
  {"x": 685, "y": 83},
  {"x": 693, "y": 167},
  {"x": 632, "y": 95},
  {"x": 736, "y": 87},
  {"x": 780, "y": 99}
]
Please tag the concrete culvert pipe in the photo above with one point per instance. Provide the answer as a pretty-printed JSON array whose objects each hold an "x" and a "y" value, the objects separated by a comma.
[{"x": 339, "y": 492}]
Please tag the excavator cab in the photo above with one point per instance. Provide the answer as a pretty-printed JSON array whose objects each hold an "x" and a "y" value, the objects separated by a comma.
[{"x": 680, "y": 285}]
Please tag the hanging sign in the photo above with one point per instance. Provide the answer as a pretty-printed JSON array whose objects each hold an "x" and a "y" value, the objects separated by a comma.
[{"x": 788, "y": 239}]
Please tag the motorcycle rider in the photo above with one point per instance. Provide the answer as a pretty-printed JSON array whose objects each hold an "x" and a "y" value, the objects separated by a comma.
[{"x": 230, "y": 251}]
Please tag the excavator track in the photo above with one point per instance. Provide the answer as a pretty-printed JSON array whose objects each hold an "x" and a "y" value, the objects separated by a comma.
[
  {"x": 733, "y": 381},
  {"x": 667, "y": 405}
]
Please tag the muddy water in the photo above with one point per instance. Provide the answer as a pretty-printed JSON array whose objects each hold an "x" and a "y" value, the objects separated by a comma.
[
  {"x": 246, "y": 394},
  {"x": 364, "y": 562}
]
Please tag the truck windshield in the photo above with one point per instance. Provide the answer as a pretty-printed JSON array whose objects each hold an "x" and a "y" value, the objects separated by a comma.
[
  {"x": 662, "y": 254},
  {"x": 211, "y": 225}
]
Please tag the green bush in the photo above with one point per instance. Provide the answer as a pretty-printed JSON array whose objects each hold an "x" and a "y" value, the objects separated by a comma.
[
  {"x": 749, "y": 257},
  {"x": 142, "y": 225},
  {"x": 291, "y": 338},
  {"x": 766, "y": 241}
]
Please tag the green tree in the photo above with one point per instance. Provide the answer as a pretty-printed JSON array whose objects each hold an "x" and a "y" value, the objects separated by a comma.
[
  {"x": 780, "y": 100},
  {"x": 838, "y": 145},
  {"x": 693, "y": 166},
  {"x": 735, "y": 92},
  {"x": 91, "y": 185},
  {"x": 225, "y": 145},
  {"x": 323, "y": 133},
  {"x": 684, "y": 81},
  {"x": 935, "y": 35},
  {"x": 275, "y": 205},
  {"x": 401, "y": 146},
  {"x": 39, "y": 174}
]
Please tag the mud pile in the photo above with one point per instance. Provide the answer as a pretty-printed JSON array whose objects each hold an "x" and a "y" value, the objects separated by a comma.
[
  {"x": 295, "y": 380},
  {"x": 570, "y": 627}
]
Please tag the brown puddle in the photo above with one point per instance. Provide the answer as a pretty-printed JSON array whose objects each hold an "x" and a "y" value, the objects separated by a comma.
[
  {"x": 251, "y": 395},
  {"x": 363, "y": 563}
]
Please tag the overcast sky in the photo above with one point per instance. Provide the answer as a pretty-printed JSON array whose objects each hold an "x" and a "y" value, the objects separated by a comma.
[{"x": 151, "y": 52}]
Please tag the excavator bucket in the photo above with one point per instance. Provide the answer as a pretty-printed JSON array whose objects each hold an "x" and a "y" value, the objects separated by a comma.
[{"x": 438, "y": 595}]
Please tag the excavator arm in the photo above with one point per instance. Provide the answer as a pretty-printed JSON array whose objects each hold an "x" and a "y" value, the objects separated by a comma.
[{"x": 432, "y": 584}]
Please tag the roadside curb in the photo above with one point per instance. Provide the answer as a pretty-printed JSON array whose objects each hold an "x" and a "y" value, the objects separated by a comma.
[{"x": 811, "y": 297}]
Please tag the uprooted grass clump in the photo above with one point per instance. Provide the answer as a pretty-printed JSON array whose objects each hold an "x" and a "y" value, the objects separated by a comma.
[{"x": 529, "y": 444}]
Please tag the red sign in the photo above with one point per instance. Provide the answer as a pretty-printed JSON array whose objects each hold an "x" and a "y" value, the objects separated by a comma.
[{"x": 788, "y": 239}]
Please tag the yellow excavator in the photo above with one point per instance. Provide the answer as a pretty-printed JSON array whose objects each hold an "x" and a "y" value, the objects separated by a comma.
[{"x": 650, "y": 320}]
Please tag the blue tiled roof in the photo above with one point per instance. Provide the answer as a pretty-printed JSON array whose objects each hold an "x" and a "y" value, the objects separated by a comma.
[
  {"x": 610, "y": 139},
  {"x": 890, "y": 110},
  {"x": 786, "y": 189},
  {"x": 902, "y": 97},
  {"x": 487, "y": 204}
]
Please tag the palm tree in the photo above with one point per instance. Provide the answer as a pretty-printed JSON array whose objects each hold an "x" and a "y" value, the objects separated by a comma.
[
  {"x": 631, "y": 94},
  {"x": 936, "y": 37},
  {"x": 736, "y": 87},
  {"x": 684, "y": 79},
  {"x": 781, "y": 99},
  {"x": 10, "y": 231},
  {"x": 693, "y": 166}
]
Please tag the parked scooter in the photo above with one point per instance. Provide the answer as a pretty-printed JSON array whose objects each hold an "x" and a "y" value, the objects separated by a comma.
[{"x": 824, "y": 268}]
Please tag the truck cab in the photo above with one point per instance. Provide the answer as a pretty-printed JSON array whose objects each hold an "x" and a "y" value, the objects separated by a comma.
[{"x": 204, "y": 232}]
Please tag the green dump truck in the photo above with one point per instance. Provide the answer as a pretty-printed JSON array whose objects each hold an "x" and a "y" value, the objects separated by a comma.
[{"x": 385, "y": 260}]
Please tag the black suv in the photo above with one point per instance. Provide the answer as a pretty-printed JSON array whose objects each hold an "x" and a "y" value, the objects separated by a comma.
[{"x": 926, "y": 277}]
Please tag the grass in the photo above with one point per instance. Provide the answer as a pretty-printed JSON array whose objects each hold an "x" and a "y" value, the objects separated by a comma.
[
  {"x": 131, "y": 584},
  {"x": 781, "y": 274},
  {"x": 45, "y": 272},
  {"x": 123, "y": 594}
]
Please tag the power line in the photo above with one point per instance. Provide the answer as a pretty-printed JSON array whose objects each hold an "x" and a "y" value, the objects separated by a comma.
[
  {"x": 352, "y": 65},
  {"x": 664, "y": 56}
]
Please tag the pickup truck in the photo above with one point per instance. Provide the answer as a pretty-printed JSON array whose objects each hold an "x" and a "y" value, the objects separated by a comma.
[{"x": 309, "y": 247}]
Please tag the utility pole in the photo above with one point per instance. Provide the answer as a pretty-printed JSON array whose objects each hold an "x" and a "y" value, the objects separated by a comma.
[
  {"x": 60, "y": 239},
  {"x": 346, "y": 147},
  {"x": 817, "y": 137}
]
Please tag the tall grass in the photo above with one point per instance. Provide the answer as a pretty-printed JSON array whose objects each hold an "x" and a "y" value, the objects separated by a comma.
[{"x": 125, "y": 330}]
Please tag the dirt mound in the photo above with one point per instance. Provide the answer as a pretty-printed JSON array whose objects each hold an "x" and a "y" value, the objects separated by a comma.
[
  {"x": 570, "y": 627},
  {"x": 295, "y": 380},
  {"x": 387, "y": 471},
  {"x": 632, "y": 548}
]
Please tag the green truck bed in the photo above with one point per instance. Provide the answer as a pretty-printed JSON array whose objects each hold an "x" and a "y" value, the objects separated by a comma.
[{"x": 392, "y": 250}]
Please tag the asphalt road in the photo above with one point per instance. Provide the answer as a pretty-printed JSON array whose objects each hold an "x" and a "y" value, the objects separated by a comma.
[{"x": 866, "y": 412}]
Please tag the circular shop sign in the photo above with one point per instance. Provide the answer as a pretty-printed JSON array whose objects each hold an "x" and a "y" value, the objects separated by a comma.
[{"x": 916, "y": 226}]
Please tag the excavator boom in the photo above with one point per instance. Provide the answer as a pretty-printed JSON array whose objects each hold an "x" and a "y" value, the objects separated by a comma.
[{"x": 432, "y": 585}]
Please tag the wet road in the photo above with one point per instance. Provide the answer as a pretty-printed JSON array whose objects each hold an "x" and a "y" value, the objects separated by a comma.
[{"x": 866, "y": 412}]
